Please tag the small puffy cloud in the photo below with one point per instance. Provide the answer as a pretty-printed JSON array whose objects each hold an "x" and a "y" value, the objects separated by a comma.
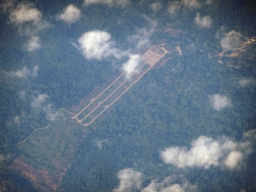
[
  {"x": 130, "y": 180},
  {"x": 16, "y": 120},
  {"x": 130, "y": 66},
  {"x": 156, "y": 6},
  {"x": 142, "y": 37},
  {"x": 15, "y": 77},
  {"x": 154, "y": 187},
  {"x": 173, "y": 7},
  {"x": 100, "y": 143},
  {"x": 25, "y": 13},
  {"x": 40, "y": 103},
  {"x": 33, "y": 44},
  {"x": 22, "y": 93},
  {"x": 220, "y": 102},
  {"x": 233, "y": 159},
  {"x": 39, "y": 100},
  {"x": 71, "y": 14},
  {"x": 232, "y": 40},
  {"x": 110, "y": 3},
  {"x": 25, "y": 73},
  {"x": 174, "y": 188},
  {"x": 191, "y": 3},
  {"x": 122, "y": 3},
  {"x": 208, "y": 2},
  {"x": 97, "y": 45},
  {"x": 247, "y": 82},
  {"x": 244, "y": 82},
  {"x": 206, "y": 152},
  {"x": 27, "y": 18},
  {"x": 169, "y": 185},
  {"x": 91, "y": 2},
  {"x": 205, "y": 22},
  {"x": 249, "y": 136}
]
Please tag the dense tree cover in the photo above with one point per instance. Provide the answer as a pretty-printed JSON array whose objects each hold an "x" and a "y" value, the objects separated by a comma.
[{"x": 165, "y": 109}]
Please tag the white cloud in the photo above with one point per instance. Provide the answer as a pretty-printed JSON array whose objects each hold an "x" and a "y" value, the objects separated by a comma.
[
  {"x": 142, "y": 37},
  {"x": 97, "y": 45},
  {"x": 40, "y": 103},
  {"x": 220, "y": 102},
  {"x": 110, "y": 3},
  {"x": 122, "y": 3},
  {"x": 27, "y": 18},
  {"x": 71, "y": 14},
  {"x": 206, "y": 152},
  {"x": 22, "y": 94},
  {"x": 232, "y": 40},
  {"x": 156, "y": 6},
  {"x": 173, "y": 7},
  {"x": 247, "y": 82},
  {"x": 154, "y": 187},
  {"x": 25, "y": 13},
  {"x": 244, "y": 82},
  {"x": 39, "y": 100},
  {"x": 174, "y": 188},
  {"x": 100, "y": 143},
  {"x": 33, "y": 44},
  {"x": 16, "y": 120},
  {"x": 208, "y": 2},
  {"x": 130, "y": 180},
  {"x": 191, "y": 3},
  {"x": 250, "y": 135},
  {"x": 169, "y": 185},
  {"x": 91, "y": 2},
  {"x": 130, "y": 66},
  {"x": 203, "y": 21},
  {"x": 25, "y": 73},
  {"x": 233, "y": 159},
  {"x": 49, "y": 111}
]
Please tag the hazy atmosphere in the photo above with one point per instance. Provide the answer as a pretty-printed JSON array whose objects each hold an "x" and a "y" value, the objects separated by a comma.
[{"x": 128, "y": 95}]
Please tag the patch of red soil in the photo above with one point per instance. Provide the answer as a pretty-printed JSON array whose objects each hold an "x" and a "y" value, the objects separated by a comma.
[{"x": 42, "y": 178}]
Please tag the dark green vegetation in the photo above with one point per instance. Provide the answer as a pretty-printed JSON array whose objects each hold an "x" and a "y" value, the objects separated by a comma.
[{"x": 12, "y": 183}]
